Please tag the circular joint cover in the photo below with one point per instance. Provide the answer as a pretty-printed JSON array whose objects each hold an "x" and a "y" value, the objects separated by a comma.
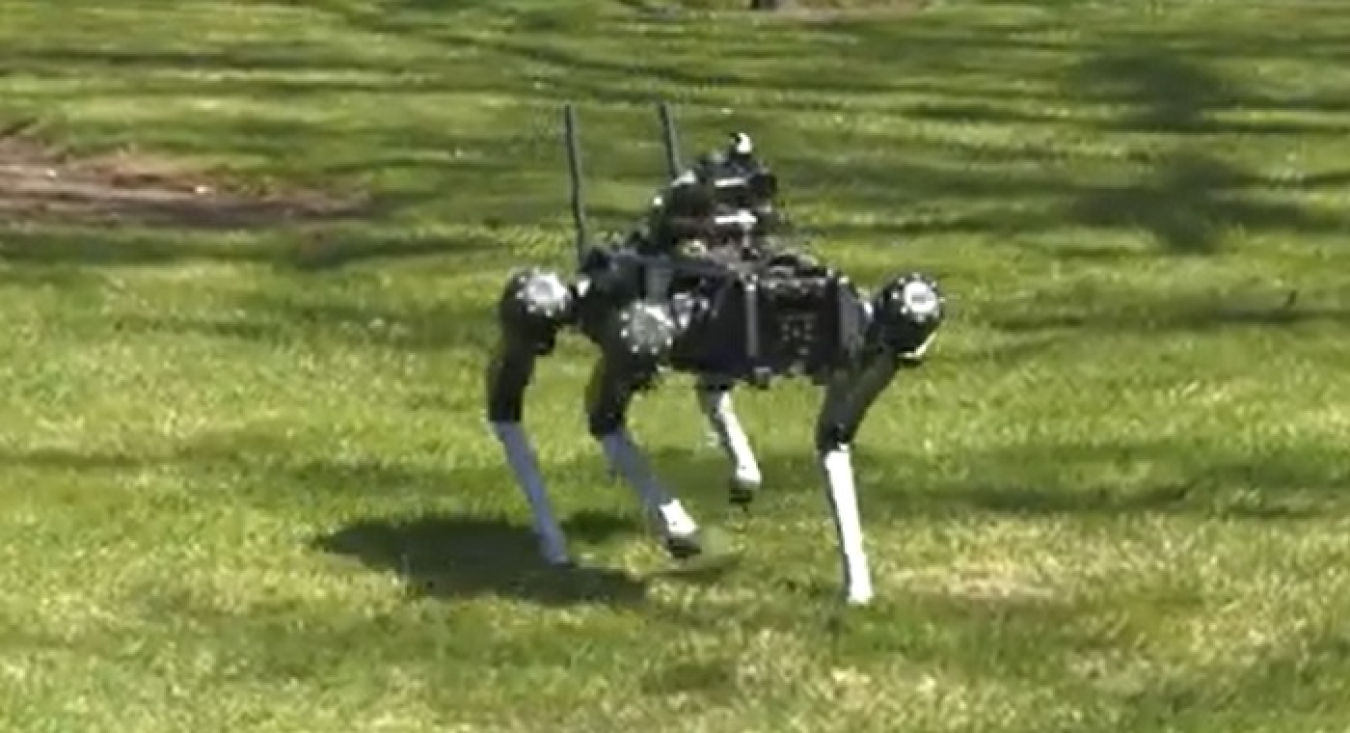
[
  {"x": 542, "y": 294},
  {"x": 915, "y": 298},
  {"x": 646, "y": 329},
  {"x": 906, "y": 313}
]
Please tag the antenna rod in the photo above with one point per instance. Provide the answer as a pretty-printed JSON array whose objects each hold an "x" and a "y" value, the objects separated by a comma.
[
  {"x": 668, "y": 135},
  {"x": 574, "y": 169}
]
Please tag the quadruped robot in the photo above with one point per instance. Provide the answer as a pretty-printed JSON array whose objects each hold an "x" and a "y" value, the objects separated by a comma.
[{"x": 706, "y": 286}]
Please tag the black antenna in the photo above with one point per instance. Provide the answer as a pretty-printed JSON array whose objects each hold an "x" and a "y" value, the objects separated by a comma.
[
  {"x": 668, "y": 136},
  {"x": 574, "y": 169}
]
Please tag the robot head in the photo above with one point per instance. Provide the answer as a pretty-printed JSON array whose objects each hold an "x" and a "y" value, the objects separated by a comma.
[
  {"x": 737, "y": 178},
  {"x": 724, "y": 194},
  {"x": 741, "y": 148},
  {"x": 735, "y": 160}
]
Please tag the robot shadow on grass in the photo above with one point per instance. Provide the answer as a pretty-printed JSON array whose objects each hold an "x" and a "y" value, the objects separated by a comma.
[{"x": 458, "y": 557}]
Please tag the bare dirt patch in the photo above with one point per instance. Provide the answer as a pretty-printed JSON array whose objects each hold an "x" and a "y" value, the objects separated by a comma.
[
  {"x": 847, "y": 8},
  {"x": 41, "y": 183},
  {"x": 825, "y": 13},
  {"x": 806, "y": 11}
]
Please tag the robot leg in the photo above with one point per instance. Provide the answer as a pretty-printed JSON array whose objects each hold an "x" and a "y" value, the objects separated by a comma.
[
  {"x": 633, "y": 344},
  {"x": 533, "y": 307},
  {"x": 904, "y": 317},
  {"x": 714, "y": 399},
  {"x": 608, "y": 397}
]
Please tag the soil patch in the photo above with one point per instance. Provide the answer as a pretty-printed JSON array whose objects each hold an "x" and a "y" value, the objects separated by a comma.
[
  {"x": 41, "y": 183},
  {"x": 806, "y": 11},
  {"x": 831, "y": 11}
]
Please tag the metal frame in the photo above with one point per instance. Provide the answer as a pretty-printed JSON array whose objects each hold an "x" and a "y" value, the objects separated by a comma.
[{"x": 741, "y": 319}]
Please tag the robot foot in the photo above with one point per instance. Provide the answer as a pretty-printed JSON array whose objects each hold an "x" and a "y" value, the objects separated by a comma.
[
  {"x": 679, "y": 533},
  {"x": 742, "y": 491},
  {"x": 684, "y": 548}
]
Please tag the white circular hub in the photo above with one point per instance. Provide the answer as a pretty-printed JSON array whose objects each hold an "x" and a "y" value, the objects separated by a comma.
[
  {"x": 919, "y": 298},
  {"x": 647, "y": 328},
  {"x": 544, "y": 293}
]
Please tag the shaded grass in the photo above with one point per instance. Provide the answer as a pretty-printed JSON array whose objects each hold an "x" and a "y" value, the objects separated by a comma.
[{"x": 247, "y": 485}]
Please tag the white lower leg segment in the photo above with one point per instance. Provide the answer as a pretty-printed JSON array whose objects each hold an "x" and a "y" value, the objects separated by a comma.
[
  {"x": 843, "y": 495},
  {"x": 675, "y": 520},
  {"x": 520, "y": 455},
  {"x": 627, "y": 458},
  {"x": 716, "y": 406}
]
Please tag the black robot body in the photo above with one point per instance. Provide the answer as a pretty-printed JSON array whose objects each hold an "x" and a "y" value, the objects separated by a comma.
[{"x": 707, "y": 286}]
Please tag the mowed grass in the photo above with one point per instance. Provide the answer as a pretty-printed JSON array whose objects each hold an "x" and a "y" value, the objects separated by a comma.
[{"x": 247, "y": 484}]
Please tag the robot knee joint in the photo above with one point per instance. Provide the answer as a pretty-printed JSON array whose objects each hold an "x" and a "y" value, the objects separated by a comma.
[
  {"x": 604, "y": 423},
  {"x": 832, "y": 436},
  {"x": 906, "y": 314},
  {"x": 534, "y": 305},
  {"x": 644, "y": 333}
]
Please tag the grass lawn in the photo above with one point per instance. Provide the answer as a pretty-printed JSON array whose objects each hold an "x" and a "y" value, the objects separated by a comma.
[{"x": 246, "y": 481}]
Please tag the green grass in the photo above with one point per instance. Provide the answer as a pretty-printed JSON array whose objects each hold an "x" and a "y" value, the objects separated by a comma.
[{"x": 247, "y": 486}]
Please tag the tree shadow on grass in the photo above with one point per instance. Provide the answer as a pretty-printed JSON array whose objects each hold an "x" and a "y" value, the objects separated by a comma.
[
  {"x": 1180, "y": 203},
  {"x": 1158, "y": 82},
  {"x": 1075, "y": 476},
  {"x": 1056, "y": 478},
  {"x": 291, "y": 249},
  {"x": 458, "y": 557},
  {"x": 450, "y": 556},
  {"x": 451, "y": 326},
  {"x": 1187, "y": 199},
  {"x": 1162, "y": 90},
  {"x": 113, "y": 205},
  {"x": 1011, "y": 637},
  {"x": 1126, "y": 312}
]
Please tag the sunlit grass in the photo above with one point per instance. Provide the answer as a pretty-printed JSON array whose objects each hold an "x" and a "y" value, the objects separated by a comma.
[{"x": 247, "y": 483}]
